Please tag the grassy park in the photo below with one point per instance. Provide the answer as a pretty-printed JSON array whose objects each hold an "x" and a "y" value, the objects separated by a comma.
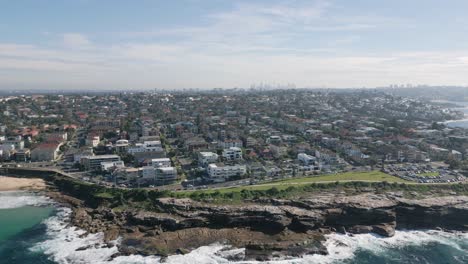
[
  {"x": 372, "y": 176},
  {"x": 347, "y": 176}
]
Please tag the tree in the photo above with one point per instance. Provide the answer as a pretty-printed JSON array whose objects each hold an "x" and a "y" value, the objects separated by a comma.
[
  {"x": 128, "y": 158},
  {"x": 110, "y": 135},
  {"x": 453, "y": 163}
]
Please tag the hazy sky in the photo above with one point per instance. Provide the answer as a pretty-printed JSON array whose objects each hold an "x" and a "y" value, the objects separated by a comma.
[{"x": 106, "y": 44}]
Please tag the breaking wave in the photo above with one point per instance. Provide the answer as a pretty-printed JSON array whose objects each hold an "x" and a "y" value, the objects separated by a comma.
[{"x": 16, "y": 199}]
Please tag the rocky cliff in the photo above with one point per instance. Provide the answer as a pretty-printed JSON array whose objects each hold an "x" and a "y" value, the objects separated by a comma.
[{"x": 267, "y": 227}]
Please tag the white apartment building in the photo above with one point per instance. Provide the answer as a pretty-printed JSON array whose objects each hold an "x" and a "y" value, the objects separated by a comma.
[
  {"x": 306, "y": 159},
  {"x": 221, "y": 172},
  {"x": 121, "y": 145},
  {"x": 230, "y": 143},
  {"x": 232, "y": 153},
  {"x": 16, "y": 141},
  {"x": 159, "y": 176},
  {"x": 166, "y": 175},
  {"x": 250, "y": 142},
  {"x": 160, "y": 163},
  {"x": 148, "y": 172},
  {"x": 147, "y": 146},
  {"x": 205, "y": 158},
  {"x": 94, "y": 162},
  {"x": 108, "y": 165},
  {"x": 7, "y": 147}
]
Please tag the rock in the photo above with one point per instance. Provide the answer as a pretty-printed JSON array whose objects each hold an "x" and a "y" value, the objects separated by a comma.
[
  {"x": 341, "y": 229},
  {"x": 115, "y": 255},
  {"x": 84, "y": 248},
  {"x": 111, "y": 234},
  {"x": 85, "y": 234},
  {"x": 360, "y": 229},
  {"x": 386, "y": 230},
  {"x": 165, "y": 221},
  {"x": 182, "y": 251},
  {"x": 108, "y": 245}
]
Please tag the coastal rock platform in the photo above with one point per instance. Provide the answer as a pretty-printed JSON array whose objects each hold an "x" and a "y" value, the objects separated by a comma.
[{"x": 266, "y": 228}]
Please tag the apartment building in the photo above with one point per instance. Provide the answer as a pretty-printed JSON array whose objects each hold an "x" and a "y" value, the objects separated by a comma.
[
  {"x": 221, "y": 172},
  {"x": 306, "y": 159},
  {"x": 94, "y": 162},
  {"x": 161, "y": 162},
  {"x": 45, "y": 152},
  {"x": 205, "y": 158},
  {"x": 232, "y": 153}
]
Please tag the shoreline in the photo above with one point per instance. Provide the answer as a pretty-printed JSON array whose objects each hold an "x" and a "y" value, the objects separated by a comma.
[
  {"x": 150, "y": 223},
  {"x": 21, "y": 184},
  {"x": 265, "y": 229},
  {"x": 111, "y": 247}
]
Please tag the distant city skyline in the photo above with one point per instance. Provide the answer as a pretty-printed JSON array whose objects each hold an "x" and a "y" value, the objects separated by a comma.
[{"x": 92, "y": 45}]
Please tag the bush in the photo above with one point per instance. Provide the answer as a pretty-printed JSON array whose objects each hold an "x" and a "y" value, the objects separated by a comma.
[{"x": 273, "y": 192}]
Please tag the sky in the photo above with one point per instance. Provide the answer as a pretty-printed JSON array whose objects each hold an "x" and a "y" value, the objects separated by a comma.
[{"x": 151, "y": 44}]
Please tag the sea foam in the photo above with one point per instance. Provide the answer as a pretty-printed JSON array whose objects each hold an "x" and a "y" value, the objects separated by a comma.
[{"x": 16, "y": 199}]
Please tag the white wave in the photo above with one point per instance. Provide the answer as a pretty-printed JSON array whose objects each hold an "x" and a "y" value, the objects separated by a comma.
[
  {"x": 16, "y": 199},
  {"x": 341, "y": 247},
  {"x": 63, "y": 242}
]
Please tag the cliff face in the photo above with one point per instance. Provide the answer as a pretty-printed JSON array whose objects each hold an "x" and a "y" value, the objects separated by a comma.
[
  {"x": 268, "y": 227},
  {"x": 448, "y": 213}
]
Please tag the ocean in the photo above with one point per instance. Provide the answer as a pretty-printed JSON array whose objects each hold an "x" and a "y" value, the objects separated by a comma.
[
  {"x": 34, "y": 230},
  {"x": 463, "y": 123}
]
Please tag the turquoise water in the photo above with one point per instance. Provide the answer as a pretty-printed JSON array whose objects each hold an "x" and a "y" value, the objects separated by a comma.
[
  {"x": 14, "y": 221},
  {"x": 33, "y": 231},
  {"x": 16, "y": 249}
]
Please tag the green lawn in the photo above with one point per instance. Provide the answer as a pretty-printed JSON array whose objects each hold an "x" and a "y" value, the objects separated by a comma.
[
  {"x": 347, "y": 176},
  {"x": 372, "y": 176}
]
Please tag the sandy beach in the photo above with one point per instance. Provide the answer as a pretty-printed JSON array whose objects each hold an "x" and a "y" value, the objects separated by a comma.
[{"x": 12, "y": 184}]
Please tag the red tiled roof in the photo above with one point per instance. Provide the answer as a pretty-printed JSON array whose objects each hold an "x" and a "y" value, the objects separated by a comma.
[{"x": 48, "y": 145}]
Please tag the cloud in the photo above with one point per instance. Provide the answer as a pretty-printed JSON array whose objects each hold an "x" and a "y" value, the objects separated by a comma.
[
  {"x": 249, "y": 43},
  {"x": 76, "y": 41},
  {"x": 247, "y": 24},
  {"x": 166, "y": 66}
]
